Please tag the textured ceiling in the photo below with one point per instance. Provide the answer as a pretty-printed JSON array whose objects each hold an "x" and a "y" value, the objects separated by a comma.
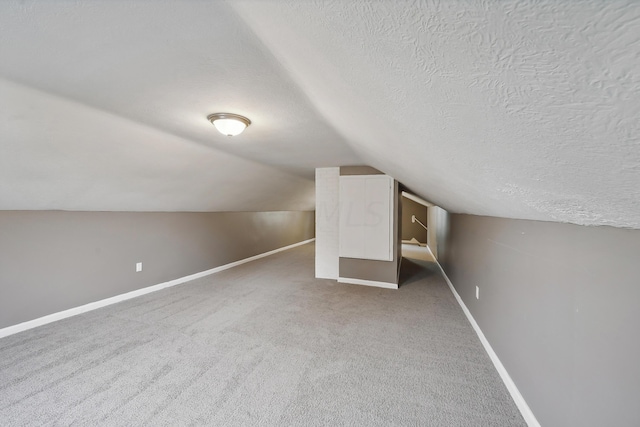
[{"x": 522, "y": 109}]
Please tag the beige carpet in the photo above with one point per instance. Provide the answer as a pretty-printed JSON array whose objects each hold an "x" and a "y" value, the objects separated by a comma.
[{"x": 261, "y": 344}]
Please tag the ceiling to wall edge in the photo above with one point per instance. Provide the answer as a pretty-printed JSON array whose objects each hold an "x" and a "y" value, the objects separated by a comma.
[{"x": 114, "y": 114}]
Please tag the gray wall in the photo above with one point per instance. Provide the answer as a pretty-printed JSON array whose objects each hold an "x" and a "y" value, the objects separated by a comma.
[
  {"x": 379, "y": 271},
  {"x": 560, "y": 305},
  {"x": 53, "y": 260},
  {"x": 413, "y": 229},
  {"x": 438, "y": 230}
]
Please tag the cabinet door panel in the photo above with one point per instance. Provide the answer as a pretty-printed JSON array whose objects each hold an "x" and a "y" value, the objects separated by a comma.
[{"x": 366, "y": 216}]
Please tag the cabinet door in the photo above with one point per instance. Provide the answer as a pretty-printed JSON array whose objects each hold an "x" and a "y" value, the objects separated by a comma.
[{"x": 366, "y": 216}]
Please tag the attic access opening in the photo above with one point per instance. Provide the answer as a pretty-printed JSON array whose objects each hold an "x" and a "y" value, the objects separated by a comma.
[{"x": 414, "y": 219}]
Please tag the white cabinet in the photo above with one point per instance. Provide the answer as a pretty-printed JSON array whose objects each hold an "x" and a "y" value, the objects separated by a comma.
[
  {"x": 327, "y": 222},
  {"x": 366, "y": 217}
]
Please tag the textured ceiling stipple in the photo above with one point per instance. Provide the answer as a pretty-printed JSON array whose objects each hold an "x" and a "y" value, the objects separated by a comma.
[
  {"x": 521, "y": 109},
  {"x": 524, "y": 109}
]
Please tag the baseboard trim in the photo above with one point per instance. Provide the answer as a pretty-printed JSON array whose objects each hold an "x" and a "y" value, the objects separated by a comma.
[
  {"x": 30, "y": 324},
  {"x": 526, "y": 412},
  {"x": 387, "y": 285}
]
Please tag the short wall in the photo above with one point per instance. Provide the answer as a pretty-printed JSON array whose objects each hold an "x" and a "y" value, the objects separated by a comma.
[
  {"x": 560, "y": 306},
  {"x": 52, "y": 261}
]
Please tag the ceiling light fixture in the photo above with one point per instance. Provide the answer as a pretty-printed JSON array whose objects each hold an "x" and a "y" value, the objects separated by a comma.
[{"x": 229, "y": 124}]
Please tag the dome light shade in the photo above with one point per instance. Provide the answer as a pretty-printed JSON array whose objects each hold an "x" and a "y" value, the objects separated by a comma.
[{"x": 229, "y": 124}]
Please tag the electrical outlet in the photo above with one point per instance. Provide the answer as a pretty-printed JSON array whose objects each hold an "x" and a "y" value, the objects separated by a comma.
[
  {"x": 477, "y": 292},
  {"x": 138, "y": 267}
]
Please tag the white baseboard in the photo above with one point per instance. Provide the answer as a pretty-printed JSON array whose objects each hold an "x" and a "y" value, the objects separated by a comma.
[
  {"x": 526, "y": 412},
  {"x": 10, "y": 330},
  {"x": 387, "y": 285}
]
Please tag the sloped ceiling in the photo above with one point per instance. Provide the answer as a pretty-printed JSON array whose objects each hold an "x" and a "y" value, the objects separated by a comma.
[
  {"x": 522, "y": 109},
  {"x": 103, "y": 106}
]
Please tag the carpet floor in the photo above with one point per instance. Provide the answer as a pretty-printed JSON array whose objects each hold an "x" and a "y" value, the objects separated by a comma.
[{"x": 264, "y": 343}]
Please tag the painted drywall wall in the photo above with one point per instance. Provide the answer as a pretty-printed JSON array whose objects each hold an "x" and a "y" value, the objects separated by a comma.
[
  {"x": 438, "y": 229},
  {"x": 327, "y": 222},
  {"x": 329, "y": 264},
  {"x": 559, "y": 304},
  {"x": 413, "y": 230},
  {"x": 52, "y": 261},
  {"x": 379, "y": 271}
]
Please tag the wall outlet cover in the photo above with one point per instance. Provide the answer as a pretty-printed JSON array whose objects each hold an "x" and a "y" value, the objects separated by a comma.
[{"x": 138, "y": 267}]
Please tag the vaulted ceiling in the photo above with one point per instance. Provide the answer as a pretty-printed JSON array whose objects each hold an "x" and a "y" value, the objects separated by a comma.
[{"x": 521, "y": 109}]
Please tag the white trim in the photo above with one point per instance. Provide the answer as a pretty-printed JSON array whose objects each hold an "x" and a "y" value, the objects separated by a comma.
[
  {"x": 387, "y": 285},
  {"x": 526, "y": 412},
  {"x": 14, "y": 329},
  {"x": 417, "y": 199}
]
